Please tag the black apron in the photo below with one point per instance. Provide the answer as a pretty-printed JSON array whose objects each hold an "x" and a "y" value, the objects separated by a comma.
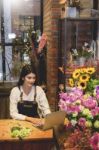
[{"x": 28, "y": 108}]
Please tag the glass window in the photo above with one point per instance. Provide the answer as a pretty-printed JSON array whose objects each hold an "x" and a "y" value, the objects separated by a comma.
[{"x": 19, "y": 20}]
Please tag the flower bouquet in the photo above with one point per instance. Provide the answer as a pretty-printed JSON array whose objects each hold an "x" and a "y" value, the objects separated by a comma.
[
  {"x": 82, "y": 110},
  {"x": 85, "y": 51},
  {"x": 84, "y": 78}
]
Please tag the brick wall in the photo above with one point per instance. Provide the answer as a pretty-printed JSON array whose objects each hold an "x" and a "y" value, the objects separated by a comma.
[
  {"x": 50, "y": 27},
  {"x": 52, "y": 12}
]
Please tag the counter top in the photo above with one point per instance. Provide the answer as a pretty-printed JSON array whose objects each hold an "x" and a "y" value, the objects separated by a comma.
[{"x": 36, "y": 134}]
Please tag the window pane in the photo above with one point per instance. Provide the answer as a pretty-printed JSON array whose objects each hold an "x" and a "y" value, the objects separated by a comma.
[{"x": 20, "y": 17}]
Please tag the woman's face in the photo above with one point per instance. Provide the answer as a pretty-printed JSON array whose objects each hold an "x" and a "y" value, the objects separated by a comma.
[{"x": 29, "y": 79}]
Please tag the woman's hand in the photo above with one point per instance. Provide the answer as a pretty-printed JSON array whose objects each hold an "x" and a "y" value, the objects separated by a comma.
[{"x": 35, "y": 121}]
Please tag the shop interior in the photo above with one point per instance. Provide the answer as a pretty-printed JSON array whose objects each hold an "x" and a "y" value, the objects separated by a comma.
[{"x": 61, "y": 39}]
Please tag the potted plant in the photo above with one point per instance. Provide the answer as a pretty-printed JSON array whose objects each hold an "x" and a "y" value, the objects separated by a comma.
[
  {"x": 73, "y": 8},
  {"x": 83, "y": 54}
]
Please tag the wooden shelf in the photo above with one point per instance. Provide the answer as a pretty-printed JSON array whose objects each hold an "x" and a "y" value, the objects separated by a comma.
[{"x": 81, "y": 19}]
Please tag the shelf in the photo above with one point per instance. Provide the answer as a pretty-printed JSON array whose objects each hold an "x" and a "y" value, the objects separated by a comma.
[
  {"x": 73, "y": 32},
  {"x": 81, "y": 19}
]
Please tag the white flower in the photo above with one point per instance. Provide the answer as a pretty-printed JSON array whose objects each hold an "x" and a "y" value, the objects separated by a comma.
[{"x": 73, "y": 122}]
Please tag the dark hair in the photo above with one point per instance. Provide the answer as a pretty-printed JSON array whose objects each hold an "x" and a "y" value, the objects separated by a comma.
[{"x": 27, "y": 69}]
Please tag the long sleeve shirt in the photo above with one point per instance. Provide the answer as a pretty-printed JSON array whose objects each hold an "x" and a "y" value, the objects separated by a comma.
[{"x": 43, "y": 106}]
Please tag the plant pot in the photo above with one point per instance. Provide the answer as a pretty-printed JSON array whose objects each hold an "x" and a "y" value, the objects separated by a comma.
[{"x": 72, "y": 12}]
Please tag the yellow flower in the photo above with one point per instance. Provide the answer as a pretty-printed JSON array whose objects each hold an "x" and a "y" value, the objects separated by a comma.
[
  {"x": 78, "y": 102},
  {"x": 88, "y": 124},
  {"x": 84, "y": 78},
  {"x": 86, "y": 96},
  {"x": 71, "y": 82},
  {"x": 83, "y": 70},
  {"x": 82, "y": 84},
  {"x": 96, "y": 124},
  {"x": 86, "y": 112},
  {"x": 76, "y": 73},
  {"x": 90, "y": 70}
]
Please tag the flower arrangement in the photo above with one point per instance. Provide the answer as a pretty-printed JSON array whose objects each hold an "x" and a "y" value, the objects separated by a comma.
[
  {"x": 94, "y": 141},
  {"x": 84, "y": 78},
  {"x": 85, "y": 51},
  {"x": 79, "y": 140},
  {"x": 82, "y": 111},
  {"x": 72, "y": 141}
]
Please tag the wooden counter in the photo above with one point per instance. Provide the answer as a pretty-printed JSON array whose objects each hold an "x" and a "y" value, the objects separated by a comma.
[{"x": 37, "y": 140}]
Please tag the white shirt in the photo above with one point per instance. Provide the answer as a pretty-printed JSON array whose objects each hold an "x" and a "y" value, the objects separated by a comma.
[{"x": 43, "y": 106}]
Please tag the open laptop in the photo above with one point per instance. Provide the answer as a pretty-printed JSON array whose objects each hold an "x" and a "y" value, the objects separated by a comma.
[{"x": 54, "y": 119}]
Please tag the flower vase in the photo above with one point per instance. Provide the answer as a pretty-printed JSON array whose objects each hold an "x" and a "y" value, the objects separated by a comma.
[{"x": 72, "y": 12}]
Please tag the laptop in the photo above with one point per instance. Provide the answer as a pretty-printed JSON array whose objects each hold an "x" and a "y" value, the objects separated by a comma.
[{"x": 53, "y": 119}]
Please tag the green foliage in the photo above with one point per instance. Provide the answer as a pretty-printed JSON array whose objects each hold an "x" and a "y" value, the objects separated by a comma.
[{"x": 91, "y": 85}]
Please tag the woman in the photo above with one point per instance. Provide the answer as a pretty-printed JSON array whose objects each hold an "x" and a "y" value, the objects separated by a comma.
[{"x": 27, "y": 100}]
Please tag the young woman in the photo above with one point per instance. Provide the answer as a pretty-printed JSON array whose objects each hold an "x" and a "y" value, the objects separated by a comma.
[{"x": 27, "y": 100}]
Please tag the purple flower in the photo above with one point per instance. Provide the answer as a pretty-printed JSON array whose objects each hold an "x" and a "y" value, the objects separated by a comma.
[
  {"x": 94, "y": 141},
  {"x": 97, "y": 89},
  {"x": 77, "y": 92},
  {"x": 81, "y": 122},
  {"x": 63, "y": 96}
]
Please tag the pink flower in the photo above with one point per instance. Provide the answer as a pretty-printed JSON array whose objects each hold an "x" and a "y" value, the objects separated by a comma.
[
  {"x": 81, "y": 122},
  {"x": 73, "y": 109},
  {"x": 90, "y": 103},
  {"x": 63, "y": 96},
  {"x": 95, "y": 111},
  {"x": 77, "y": 92},
  {"x": 97, "y": 96},
  {"x": 63, "y": 105},
  {"x": 94, "y": 141}
]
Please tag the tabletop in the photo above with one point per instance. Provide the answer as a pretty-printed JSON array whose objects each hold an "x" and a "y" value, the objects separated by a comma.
[{"x": 36, "y": 134}]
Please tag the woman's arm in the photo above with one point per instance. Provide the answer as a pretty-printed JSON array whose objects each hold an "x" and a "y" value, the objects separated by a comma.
[
  {"x": 36, "y": 121},
  {"x": 14, "y": 97},
  {"x": 42, "y": 102}
]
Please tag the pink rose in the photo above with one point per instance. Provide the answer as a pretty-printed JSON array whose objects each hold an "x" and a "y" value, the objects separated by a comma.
[{"x": 81, "y": 122}]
